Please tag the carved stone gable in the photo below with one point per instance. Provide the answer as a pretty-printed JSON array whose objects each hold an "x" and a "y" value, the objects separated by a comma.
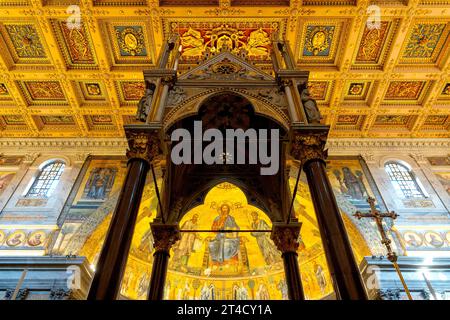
[{"x": 226, "y": 67}]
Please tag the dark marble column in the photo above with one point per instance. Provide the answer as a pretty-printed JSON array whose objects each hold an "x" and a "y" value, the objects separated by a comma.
[
  {"x": 143, "y": 147},
  {"x": 164, "y": 235},
  {"x": 285, "y": 237},
  {"x": 308, "y": 144}
]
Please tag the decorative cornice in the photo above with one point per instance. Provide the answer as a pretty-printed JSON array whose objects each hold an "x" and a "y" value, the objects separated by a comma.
[
  {"x": 118, "y": 146},
  {"x": 94, "y": 146},
  {"x": 349, "y": 146}
]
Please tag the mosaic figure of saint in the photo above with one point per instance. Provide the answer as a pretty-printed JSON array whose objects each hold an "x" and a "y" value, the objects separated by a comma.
[
  {"x": 146, "y": 244},
  {"x": 267, "y": 247},
  {"x": 183, "y": 248},
  {"x": 36, "y": 240},
  {"x": 282, "y": 286},
  {"x": 204, "y": 292},
  {"x": 126, "y": 282},
  {"x": 412, "y": 241},
  {"x": 360, "y": 176},
  {"x": 15, "y": 240},
  {"x": 353, "y": 184},
  {"x": 241, "y": 292},
  {"x": 224, "y": 247},
  {"x": 262, "y": 293},
  {"x": 99, "y": 182},
  {"x": 143, "y": 284},
  {"x": 320, "y": 277},
  {"x": 186, "y": 291},
  {"x": 434, "y": 240}
]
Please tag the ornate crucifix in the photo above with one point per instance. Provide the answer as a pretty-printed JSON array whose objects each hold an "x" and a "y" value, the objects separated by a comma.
[{"x": 378, "y": 216}]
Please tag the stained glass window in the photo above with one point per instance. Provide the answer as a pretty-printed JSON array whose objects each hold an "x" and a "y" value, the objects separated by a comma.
[
  {"x": 403, "y": 179},
  {"x": 46, "y": 181}
]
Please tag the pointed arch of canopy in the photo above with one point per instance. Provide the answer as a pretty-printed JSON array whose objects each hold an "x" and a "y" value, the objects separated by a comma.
[
  {"x": 226, "y": 110},
  {"x": 191, "y": 106}
]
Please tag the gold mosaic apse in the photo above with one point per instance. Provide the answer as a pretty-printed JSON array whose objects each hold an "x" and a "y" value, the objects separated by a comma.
[{"x": 251, "y": 268}]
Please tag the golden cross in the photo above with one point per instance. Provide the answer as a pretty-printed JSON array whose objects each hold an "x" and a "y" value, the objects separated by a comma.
[{"x": 378, "y": 216}]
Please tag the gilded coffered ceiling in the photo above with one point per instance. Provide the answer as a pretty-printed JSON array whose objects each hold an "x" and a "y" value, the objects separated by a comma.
[{"x": 58, "y": 81}]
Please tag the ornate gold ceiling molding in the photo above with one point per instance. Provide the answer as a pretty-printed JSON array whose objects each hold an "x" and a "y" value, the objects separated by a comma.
[
  {"x": 118, "y": 146},
  {"x": 97, "y": 146},
  {"x": 355, "y": 146}
]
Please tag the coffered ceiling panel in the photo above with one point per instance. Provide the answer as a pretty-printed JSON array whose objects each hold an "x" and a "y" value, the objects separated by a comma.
[
  {"x": 75, "y": 45},
  {"x": 130, "y": 92},
  {"x": 4, "y": 93},
  {"x": 91, "y": 93},
  {"x": 425, "y": 43},
  {"x": 129, "y": 43},
  {"x": 374, "y": 45},
  {"x": 43, "y": 93},
  {"x": 321, "y": 41},
  {"x": 22, "y": 44},
  {"x": 321, "y": 91},
  {"x": 60, "y": 79},
  {"x": 405, "y": 92}
]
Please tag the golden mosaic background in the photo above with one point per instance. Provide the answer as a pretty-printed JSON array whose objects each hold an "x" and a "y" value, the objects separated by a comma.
[{"x": 58, "y": 81}]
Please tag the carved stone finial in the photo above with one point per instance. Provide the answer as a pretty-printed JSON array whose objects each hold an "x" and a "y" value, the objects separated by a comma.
[
  {"x": 165, "y": 236},
  {"x": 310, "y": 146},
  {"x": 142, "y": 143}
]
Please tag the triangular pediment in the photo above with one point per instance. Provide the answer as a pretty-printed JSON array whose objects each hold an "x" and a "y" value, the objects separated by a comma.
[{"x": 226, "y": 67}]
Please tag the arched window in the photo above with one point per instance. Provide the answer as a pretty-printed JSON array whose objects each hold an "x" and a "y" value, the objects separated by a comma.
[
  {"x": 403, "y": 179},
  {"x": 46, "y": 180}
]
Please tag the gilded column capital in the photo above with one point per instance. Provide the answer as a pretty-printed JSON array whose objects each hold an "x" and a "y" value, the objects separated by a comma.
[
  {"x": 168, "y": 80},
  {"x": 309, "y": 143},
  {"x": 143, "y": 142},
  {"x": 285, "y": 236},
  {"x": 164, "y": 236},
  {"x": 283, "y": 83}
]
